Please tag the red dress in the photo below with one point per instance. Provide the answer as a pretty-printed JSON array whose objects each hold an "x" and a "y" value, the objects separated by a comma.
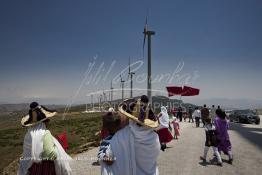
[
  {"x": 164, "y": 135},
  {"x": 45, "y": 167}
]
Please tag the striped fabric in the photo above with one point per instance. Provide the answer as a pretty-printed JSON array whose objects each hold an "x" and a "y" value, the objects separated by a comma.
[
  {"x": 46, "y": 167},
  {"x": 104, "y": 145}
]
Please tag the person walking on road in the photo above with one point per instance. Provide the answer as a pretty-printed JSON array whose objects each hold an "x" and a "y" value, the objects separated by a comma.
[
  {"x": 180, "y": 114},
  {"x": 197, "y": 115},
  {"x": 112, "y": 123},
  {"x": 204, "y": 114},
  {"x": 211, "y": 141},
  {"x": 163, "y": 130},
  {"x": 42, "y": 153},
  {"x": 190, "y": 112},
  {"x": 176, "y": 128},
  {"x": 134, "y": 149},
  {"x": 222, "y": 127},
  {"x": 213, "y": 113}
]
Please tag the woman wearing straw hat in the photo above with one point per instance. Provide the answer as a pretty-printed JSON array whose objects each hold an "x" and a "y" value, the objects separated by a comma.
[
  {"x": 42, "y": 153},
  {"x": 135, "y": 148}
]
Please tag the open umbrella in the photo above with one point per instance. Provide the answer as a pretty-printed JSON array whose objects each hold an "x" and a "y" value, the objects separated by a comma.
[
  {"x": 182, "y": 91},
  {"x": 174, "y": 90},
  {"x": 189, "y": 91}
]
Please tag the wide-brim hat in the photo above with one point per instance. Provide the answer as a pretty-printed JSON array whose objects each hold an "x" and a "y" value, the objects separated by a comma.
[
  {"x": 134, "y": 115},
  {"x": 36, "y": 115}
]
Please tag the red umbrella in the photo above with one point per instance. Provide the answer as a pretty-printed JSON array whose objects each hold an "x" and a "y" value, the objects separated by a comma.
[
  {"x": 189, "y": 91},
  {"x": 174, "y": 90},
  {"x": 185, "y": 91}
]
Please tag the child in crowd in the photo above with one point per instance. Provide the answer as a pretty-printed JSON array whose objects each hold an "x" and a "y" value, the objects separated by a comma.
[
  {"x": 176, "y": 128},
  {"x": 104, "y": 132},
  {"x": 211, "y": 141},
  {"x": 112, "y": 123}
]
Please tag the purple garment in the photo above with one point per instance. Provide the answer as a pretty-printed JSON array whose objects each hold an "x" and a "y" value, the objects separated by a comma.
[{"x": 222, "y": 135}]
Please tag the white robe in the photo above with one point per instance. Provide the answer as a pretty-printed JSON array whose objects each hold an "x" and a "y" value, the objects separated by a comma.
[
  {"x": 33, "y": 148},
  {"x": 135, "y": 149}
]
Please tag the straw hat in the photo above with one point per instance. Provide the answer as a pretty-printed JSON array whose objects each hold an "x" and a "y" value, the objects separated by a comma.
[
  {"x": 37, "y": 114},
  {"x": 139, "y": 111}
]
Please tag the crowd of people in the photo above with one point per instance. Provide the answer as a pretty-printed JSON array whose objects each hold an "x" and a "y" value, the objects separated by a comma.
[
  {"x": 132, "y": 138},
  {"x": 216, "y": 128}
]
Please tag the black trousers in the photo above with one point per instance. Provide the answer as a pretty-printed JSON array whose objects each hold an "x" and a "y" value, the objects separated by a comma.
[
  {"x": 197, "y": 121},
  {"x": 191, "y": 118},
  {"x": 203, "y": 121},
  {"x": 180, "y": 118}
]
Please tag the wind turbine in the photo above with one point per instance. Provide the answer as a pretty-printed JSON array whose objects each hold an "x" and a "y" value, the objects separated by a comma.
[
  {"x": 100, "y": 100},
  {"x": 104, "y": 96},
  {"x": 86, "y": 109},
  {"x": 147, "y": 34},
  {"x": 122, "y": 86},
  {"x": 130, "y": 74},
  {"x": 92, "y": 96},
  {"x": 111, "y": 95}
]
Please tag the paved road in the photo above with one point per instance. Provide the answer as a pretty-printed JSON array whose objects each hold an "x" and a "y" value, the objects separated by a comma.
[{"x": 183, "y": 155}]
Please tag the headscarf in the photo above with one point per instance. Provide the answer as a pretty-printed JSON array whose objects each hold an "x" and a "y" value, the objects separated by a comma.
[{"x": 164, "y": 119}]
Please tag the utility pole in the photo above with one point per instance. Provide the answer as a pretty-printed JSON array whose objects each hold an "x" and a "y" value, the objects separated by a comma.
[
  {"x": 122, "y": 86},
  {"x": 131, "y": 82}
]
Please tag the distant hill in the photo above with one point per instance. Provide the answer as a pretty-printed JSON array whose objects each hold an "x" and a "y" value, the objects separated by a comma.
[
  {"x": 158, "y": 101},
  {"x": 22, "y": 107},
  {"x": 13, "y": 107},
  {"x": 230, "y": 103}
]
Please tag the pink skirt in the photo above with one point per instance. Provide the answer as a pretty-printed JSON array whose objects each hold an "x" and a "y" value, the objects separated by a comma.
[
  {"x": 46, "y": 167},
  {"x": 164, "y": 135}
]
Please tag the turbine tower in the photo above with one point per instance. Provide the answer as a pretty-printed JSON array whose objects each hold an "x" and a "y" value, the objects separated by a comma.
[
  {"x": 111, "y": 93},
  {"x": 147, "y": 34},
  {"x": 122, "y": 86},
  {"x": 92, "y": 96}
]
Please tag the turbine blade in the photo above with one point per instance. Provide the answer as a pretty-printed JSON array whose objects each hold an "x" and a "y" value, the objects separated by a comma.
[
  {"x": 145, "y": 30},
  {"x": 129, "y": 66},
  {"x": 144, "y": 42},
  {"x": 146, "y": 24},
  {"x": 128, "y": 70}
]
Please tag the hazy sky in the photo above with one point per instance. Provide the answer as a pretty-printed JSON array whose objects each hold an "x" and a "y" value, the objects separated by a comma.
[{"x": 47, "y": 46}]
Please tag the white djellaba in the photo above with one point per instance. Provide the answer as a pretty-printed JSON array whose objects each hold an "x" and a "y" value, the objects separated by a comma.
[
  {"x": 33, "y": 147},
  {"x": 135, "y": 150}
]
